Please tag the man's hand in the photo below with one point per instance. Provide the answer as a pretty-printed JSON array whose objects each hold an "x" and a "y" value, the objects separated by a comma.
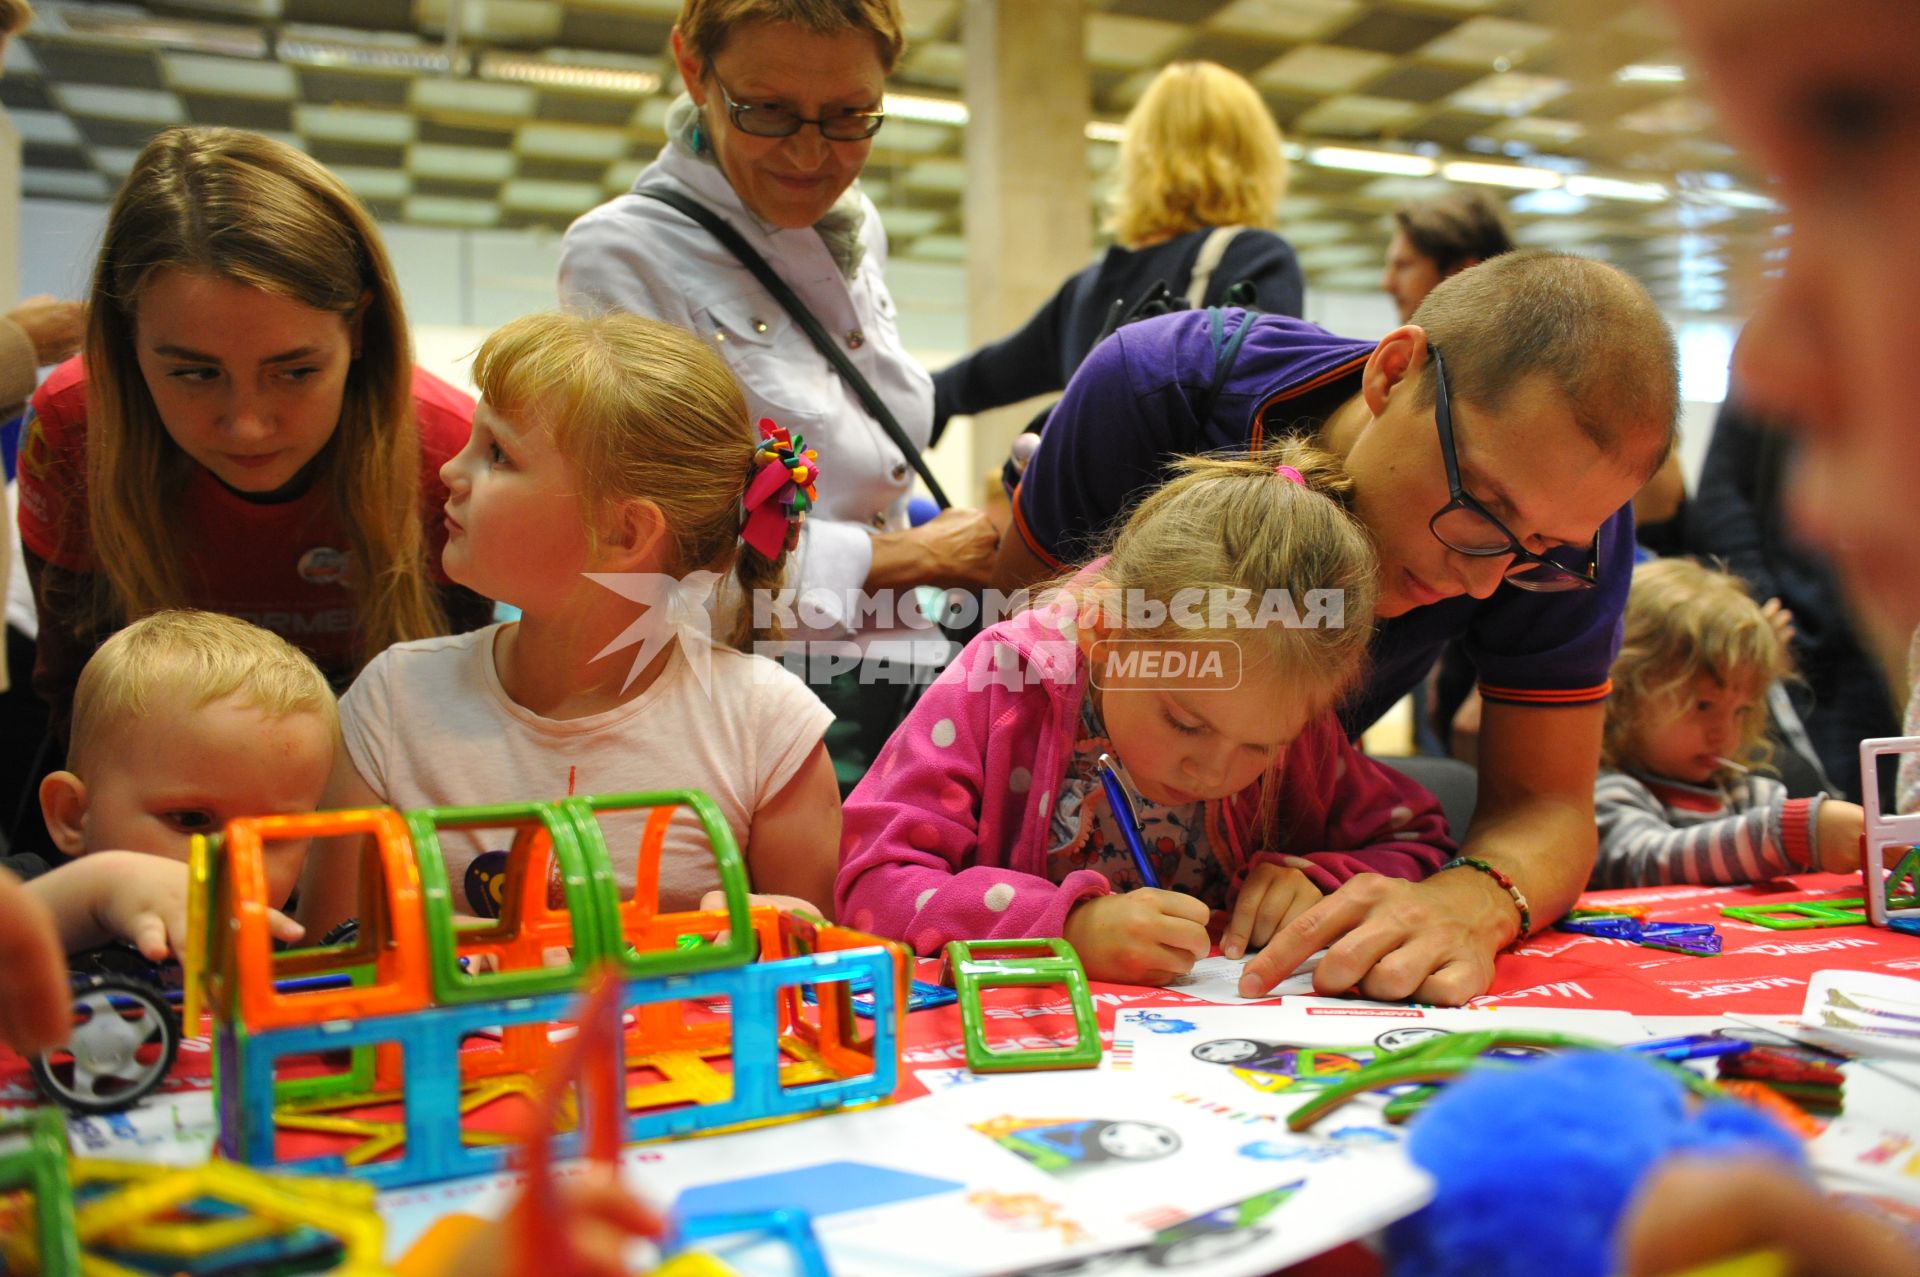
[
  {"x": 1271, "y": 897},
  {"x": 1391, "y": 940},
  {"x": 1143, "y": 937},
  {"x": 953, "y": 550},
  {"x": 53, "y": 326}
]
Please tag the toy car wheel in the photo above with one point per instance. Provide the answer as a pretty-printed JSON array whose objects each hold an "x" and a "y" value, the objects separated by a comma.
[
  {"x": 125, "y": 1037},
  {"x": 1228, "y": 1050}
]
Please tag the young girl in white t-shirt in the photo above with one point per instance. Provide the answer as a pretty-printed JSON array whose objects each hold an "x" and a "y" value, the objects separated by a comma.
[{"x": 612, "y": 476}]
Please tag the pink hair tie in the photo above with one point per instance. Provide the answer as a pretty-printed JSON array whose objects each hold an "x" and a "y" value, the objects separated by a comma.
[{"x": 1291, "y": 475}]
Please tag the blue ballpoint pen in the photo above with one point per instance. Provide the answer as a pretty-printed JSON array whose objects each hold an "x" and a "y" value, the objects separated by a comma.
[
  {"x": 1120, "y": 802},
  {"x": 1693, "y": 1047}
]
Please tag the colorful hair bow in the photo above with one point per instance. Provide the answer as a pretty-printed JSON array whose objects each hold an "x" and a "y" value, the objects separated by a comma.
[{"x": 779, "y": 492}]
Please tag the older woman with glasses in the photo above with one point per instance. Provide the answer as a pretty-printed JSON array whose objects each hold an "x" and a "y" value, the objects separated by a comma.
[
  {"x": 1493, "y": 481},
  {"x": 783, "y": 100}
]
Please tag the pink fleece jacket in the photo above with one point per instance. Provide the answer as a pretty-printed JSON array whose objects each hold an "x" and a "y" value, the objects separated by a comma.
[{"x": 946, "y": 837}]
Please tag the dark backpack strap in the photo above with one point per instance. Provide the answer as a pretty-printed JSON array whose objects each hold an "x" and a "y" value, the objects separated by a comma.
[
  {"x": 791, "y": 303},
  {"x": 1226, "y": 350}
]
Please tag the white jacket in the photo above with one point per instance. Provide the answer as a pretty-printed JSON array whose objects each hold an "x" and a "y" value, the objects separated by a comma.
[{"x": 637, "y": 254}]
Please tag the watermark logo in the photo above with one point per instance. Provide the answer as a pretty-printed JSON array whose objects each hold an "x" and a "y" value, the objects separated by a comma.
[
  {"x": 1201, "y": 666},
  {"x": 827, "y": 632},
  {"x": 676, "y": 607}
]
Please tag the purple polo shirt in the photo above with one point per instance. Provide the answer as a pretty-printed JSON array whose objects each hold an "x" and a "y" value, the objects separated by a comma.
[{"x": 1131, "y": 410}]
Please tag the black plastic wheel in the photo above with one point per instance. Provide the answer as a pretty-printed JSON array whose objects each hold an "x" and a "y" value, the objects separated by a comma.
[{"x": 125, "y": 1037}]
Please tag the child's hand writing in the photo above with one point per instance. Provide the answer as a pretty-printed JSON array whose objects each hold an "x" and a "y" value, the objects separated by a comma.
[
  {"x": 1837, "y": 832},
  {"x": 1271, "y": 897},
  {"x": 1143, "y": 937},
  {"x": 36, "y": 1006}
]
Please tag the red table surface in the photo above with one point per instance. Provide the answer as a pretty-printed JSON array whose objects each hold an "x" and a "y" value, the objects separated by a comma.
[{"x": 1759, "y": 971}]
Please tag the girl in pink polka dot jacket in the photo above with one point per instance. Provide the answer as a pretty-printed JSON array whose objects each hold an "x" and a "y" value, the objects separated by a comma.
[{"x": 1206, "y": 653}]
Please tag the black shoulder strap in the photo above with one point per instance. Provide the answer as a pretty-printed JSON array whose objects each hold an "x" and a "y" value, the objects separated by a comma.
[
  {"x": 792, "y": 304},
  {"x": 1225, "y": 353}
]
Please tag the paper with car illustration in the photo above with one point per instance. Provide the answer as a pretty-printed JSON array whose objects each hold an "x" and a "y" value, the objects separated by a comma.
[
  {"x": 1222, "y": 1193},
  {"x": 894, "y": 1191},
  {"x": 1269, "y": 1060}
]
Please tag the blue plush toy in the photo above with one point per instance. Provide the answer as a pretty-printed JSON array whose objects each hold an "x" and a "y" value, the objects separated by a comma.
[{"x": 1536, "y": 1163}]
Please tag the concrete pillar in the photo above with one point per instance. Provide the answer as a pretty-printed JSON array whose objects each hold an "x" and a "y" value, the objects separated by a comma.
[{"x": 1028, "y": 221}]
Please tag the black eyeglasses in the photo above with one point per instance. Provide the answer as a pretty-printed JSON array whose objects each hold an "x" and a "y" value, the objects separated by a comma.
[
  {"x": 777, "y": 121},
  {"x": 1465, "y": 526}
]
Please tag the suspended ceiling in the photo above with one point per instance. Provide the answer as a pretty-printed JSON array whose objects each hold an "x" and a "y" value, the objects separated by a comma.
[{"x": 532, "y": 111}]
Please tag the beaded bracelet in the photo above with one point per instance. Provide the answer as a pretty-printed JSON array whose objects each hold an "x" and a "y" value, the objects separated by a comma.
[{"x": 1505, "y": 883}]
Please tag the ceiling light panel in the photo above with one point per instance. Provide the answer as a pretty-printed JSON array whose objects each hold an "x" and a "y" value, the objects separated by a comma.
[
  {"x": 1509, "y": 93},
  {"x": 534, "y": 195},
  {"x": 1488, "y": 42},
  {"x": 1356, "y": 115},
  {"x": 1677, "y": 116},
  {"x": 441, "y": 210},
  {"x": 355, "y": 124},
  {"x": 948, "y": 176},
  {"x": 20, "y": 60},
  {"x": 513, "y": 21},
  {"x": 654, "y": 8},
  {"x": 940, "y": 248},
  {"x": 571, "y": 142},
  {"x": 938, "y": 62},
  {"x": 908, "y": 223},
  {"x": 1513, "y": 175},
  {"x": 1361, "y": 160},
  {"x": 460, "y": 163},
  {"x": 622, "y": 174},
  {"x": 912, "y": 138},
  {"x": 1539, "y": 131},
  {"x": 148, "y": 106},
  {"x": 1115, "y": 40},
  {"x": 1284, "y": 19},
  {"x": 115, "y": 161},
  {"x": 44, "y": 128},
  {"x": 262, "y": 10},
  {"x": 64, "y": 184},
  {"x": 1320, "y": 68},
  {"x": 236, "y": 77},
  {"x": 374, "y": 183},
  {"x": 472, "y": 97},
  {"x": 925, "y": 19}
]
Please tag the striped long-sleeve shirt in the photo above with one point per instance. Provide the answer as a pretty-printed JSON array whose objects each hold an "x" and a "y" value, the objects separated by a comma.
[{"x": 1655, "y": 831}]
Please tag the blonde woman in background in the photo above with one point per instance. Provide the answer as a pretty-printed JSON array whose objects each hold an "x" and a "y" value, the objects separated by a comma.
[{"x": 1201, "y": 168}]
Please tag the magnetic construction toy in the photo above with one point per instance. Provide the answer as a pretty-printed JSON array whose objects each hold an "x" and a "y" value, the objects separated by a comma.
[
  {"x": 1632, "y": 924},
  {"x": 972, "y": 966},
  {"x": 65, "y": 1217},
  {"x": 1427, "y": 1063},
  {"x": 414, "y": 1071}
]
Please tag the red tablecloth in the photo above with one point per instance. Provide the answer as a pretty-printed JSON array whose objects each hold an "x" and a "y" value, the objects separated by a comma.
[{"x": 1759, "y": 971}]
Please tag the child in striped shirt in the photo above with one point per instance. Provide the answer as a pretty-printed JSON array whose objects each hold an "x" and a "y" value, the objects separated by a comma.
[{"x": 1679, "y": 797}]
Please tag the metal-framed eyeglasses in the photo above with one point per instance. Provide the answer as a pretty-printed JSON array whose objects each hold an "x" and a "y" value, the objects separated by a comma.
[
  {"x": 1465, "y": 526},
  {"x": 777, "y": 121}
]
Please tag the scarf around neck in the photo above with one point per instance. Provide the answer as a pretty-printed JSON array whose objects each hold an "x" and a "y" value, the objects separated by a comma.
[{"x": 839, "y": 229}]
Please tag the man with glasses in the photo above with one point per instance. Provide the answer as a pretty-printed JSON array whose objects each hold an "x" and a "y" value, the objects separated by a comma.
[{"x": 1495, "y": 443}]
